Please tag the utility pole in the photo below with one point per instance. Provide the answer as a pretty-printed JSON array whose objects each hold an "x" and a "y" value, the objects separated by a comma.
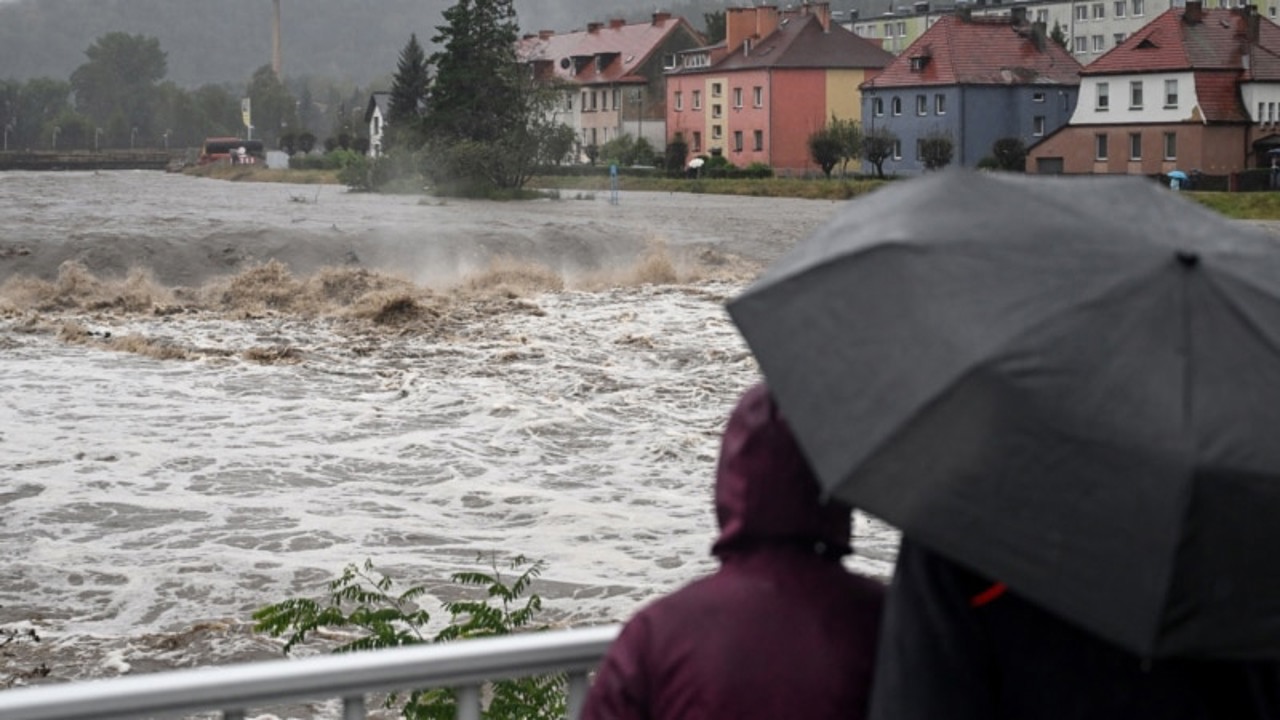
[{"x": 275, "y": 39}]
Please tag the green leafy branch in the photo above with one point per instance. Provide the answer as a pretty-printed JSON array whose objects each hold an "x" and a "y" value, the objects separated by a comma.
[{"x": 362, "y": 598}]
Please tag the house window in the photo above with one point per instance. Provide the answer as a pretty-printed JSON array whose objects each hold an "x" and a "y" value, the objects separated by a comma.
[
  {"x": 888, "y": 30},
  {"x": 1037, "y": 125},
  {"x": 758, "y": 140},
  {"x": 1262, "y": 117},
  {"x": 897, "y": 149},
  {"x": 617, "y": 98},
  {"x": 1042, "y": 16},
  {"x": 1100, "y": 146},
  {"x": 604, "y": 99},
  {"x": 697, "y": 99},
  {"x": 1037, "y": 97},
  {"x": 918, "y": 63},
  {"x": 1104, "y": 98},
  {"x": 757, "y": 96},
  {"x": 902, "y": 29},
  {"x": 1171, "y": 93},
  {"x": 595, "y": 97},
  {"x": 939, "y": 104},
  {"x": 679, "y": 100},
  {"x": 895, "y": 106},
  {"x": 1118, "y": 38},
  {"x": 716, "y": 110},
  {"x": 1082, "y": 12},
  {"x": 1137, "y": 8},
  {"x": 697, "y": 141},
  {"x": 1080, "y": 45},
  {"x": 922, "y": 105},
  {"x": 1135, "y": 146},
  {"x": 715, "y": 90},
  {"x": 877, "y": 107},
  {"x": 717, "y": 132},
  {"x": 737, "y": 141},
  {"x": 594, "y": 139},
  {"x": 920, "y": 149},
  {"x": 737, "y": 97},
  {"x": 1099, "y": 11},
  {"x": 1099, "y": 43},
  {"x": 584, "y": 100},
  {"x": 1170, "y": 146},
  {"x": 1135, "y": 95},
  {"x": 1120, "y": 8}
]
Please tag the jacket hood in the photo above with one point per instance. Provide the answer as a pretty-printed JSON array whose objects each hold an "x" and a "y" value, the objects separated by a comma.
[{"x": 766, "y": 493}]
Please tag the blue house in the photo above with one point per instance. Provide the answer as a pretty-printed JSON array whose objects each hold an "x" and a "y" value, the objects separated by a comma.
[{"x": 976, "y": 80}]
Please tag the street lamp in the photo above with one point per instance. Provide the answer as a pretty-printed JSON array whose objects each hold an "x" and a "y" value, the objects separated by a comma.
[
  {"x": 165, "y": 135},
  {"x": 133, "y": 132},
  {"x": 7, "y": 127},
  {"x": 96, "y": 132},
  {"x": 56, "y": 130}
]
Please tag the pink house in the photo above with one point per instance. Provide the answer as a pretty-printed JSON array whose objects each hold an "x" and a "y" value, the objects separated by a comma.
[{"x": 778, "y": 77}]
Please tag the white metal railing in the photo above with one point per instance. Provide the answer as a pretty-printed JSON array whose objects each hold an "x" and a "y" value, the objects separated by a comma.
[{"x": 234, "y": 689}]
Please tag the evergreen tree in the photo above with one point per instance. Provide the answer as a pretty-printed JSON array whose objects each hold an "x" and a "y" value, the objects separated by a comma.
[
  {"x": 477, "y": 93},
  {"x": 409, "y": 90}
]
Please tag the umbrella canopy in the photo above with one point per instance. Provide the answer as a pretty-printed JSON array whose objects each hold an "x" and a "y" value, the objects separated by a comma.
[
  {"x": 1178, "y": 174},
  {"x": 1071, "y": 385}
]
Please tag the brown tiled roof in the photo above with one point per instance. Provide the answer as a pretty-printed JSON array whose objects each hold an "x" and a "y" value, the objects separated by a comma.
[
  {"x": 1218, "y": 42},
  {"x": 800, "y": 42},
  {"x": 1219, "y": 97},
  {"x": 979, "y": 51},
  {"x": 624, "y": 48}
]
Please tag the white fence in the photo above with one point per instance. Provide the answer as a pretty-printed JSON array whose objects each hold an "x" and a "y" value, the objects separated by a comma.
[{"x": 235, "y": 689}]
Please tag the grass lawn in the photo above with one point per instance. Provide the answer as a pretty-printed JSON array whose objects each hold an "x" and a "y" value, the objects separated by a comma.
[{"x": 1241, "y": 206}]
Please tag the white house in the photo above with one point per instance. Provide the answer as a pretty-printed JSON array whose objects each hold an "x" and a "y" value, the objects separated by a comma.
[{"x": 375, "y": 115}]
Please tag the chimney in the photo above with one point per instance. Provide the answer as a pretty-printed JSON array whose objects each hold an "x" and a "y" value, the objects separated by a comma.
[
  {"x": 1193, "y": 13},
  {"x": 545, "y": 34},
  {"x": 661, "y": 17},
  {"x": 964, "y": 13},
  {"x": 1039, "y": 35},
  {"x": 593, "y": 27},
  {"x": 1019, "y": 15},
  {"x": 822, "y": 11},
  {"x": 616, "y": 23}
]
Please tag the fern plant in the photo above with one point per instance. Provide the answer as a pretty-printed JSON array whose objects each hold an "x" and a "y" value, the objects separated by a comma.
[{"x": 363, "y": 599}]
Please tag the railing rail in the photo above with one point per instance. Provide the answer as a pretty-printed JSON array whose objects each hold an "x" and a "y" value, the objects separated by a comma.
[{"x": 234, "y": 689}]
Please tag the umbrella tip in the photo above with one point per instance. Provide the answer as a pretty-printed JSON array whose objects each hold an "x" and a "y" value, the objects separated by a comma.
[{"x": 1187, "y": 258}]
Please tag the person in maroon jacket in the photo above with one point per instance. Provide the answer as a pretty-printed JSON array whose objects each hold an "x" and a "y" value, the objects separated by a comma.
[{"x": 782, "y": 629}]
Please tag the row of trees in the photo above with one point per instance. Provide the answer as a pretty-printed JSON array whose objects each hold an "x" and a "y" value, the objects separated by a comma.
[
  {"x": 843, "y": 141},
  {"x": 119, "y": 98}
]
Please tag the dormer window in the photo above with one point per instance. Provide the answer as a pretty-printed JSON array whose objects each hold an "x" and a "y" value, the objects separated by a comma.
[{"x": 918, "y": 63}]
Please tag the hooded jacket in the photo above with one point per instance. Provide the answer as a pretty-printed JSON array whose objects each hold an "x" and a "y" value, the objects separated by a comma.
[{"x": 781, "y": 630}]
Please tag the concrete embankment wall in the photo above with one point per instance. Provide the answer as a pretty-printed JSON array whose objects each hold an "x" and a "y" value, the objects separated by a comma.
[{"x": 86, "y": 160}]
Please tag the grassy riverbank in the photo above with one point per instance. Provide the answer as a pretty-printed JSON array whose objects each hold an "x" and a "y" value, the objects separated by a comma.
[{"x": 1240, "y": 206}]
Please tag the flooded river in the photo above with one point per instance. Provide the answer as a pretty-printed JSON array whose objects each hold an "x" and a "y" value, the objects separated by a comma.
[{"x": 214, "y": 396}]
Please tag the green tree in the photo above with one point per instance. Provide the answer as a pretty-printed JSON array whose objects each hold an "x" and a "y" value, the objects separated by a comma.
[
  {"x": 715, "y": 26},
  {"x": 557, "y": 144},
  {"x": 673, "y": 160},
  {"x": 477, "y": 94},
  {"x": 1059, "y": 35},
  {"x": 824, "y": 148},
  {"x": 120, "y": 76},
  {"x": 409, "y": 90},
  {"x": 1010, "y": 154},
  {"x": 877, "y": 147},
  {"x": 32, "y": 110},
  {"x": 936, "y": 150},
  {"x": 274, "y": 109},
  {"x": 849, "y": 134}
]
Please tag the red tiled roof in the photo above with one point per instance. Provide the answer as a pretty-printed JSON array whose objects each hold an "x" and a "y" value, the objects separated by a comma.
[
  {"x": 800, "y": 42},
  {"x": 624, "y": 48},
  {"x": 1219, "y": 97},
  {"x": 1218, "y": 42},
  {"x": 979, "y": 51}
]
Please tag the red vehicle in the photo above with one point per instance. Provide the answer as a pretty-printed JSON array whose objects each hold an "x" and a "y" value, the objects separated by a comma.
[{"x": 231, "y": 150}]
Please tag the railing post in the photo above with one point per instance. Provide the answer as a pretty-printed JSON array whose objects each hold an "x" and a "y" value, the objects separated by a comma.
[
  {"x": 469, "y": 702},
  {"x": 353, "y": 707},
  {"x": 578, "y": 687}
]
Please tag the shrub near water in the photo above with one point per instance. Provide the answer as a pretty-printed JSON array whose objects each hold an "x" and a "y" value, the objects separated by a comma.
[{"x": 363, "y": 600}]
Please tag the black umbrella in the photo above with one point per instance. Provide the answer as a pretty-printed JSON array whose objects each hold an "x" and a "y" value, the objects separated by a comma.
[{"x": 1071, "y": 385}]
